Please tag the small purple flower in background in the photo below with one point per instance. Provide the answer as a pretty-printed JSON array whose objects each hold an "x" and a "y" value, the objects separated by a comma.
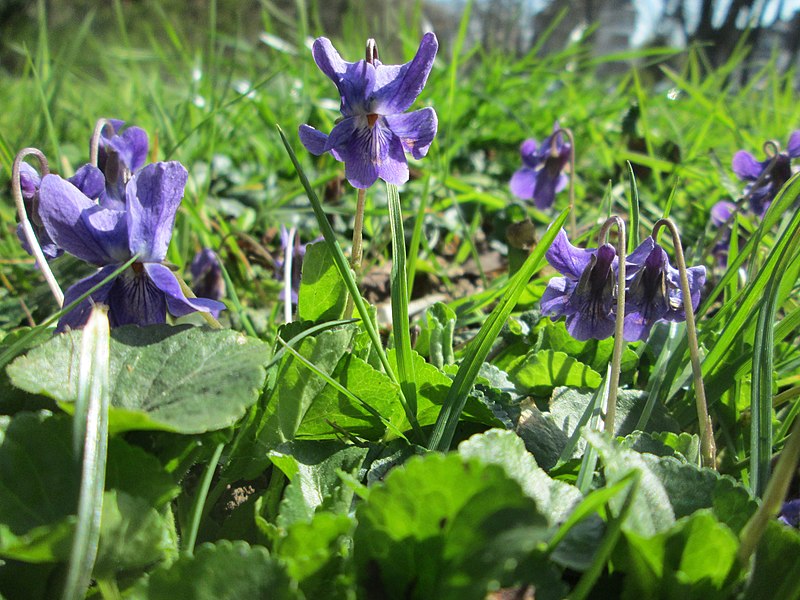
[
  {"x": 88, "y": 179},
  {"x": 721, "y": 212},
  {"x": 751, "y": 170},
  {"x": 374, "y": 133},
  {"x": 790, "y": 513},
  {"x": 585, "y": 295},
  {"x": 119, "y": 156},
  {"x": 207, "y": 275},
  {"x": 541, "y": 176},
  {"x": 654, "y": 290},
  {"x": 107, "y": 238}
]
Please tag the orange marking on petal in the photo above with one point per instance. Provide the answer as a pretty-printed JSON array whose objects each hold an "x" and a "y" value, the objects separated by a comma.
[{"x": 371, "y": 119}]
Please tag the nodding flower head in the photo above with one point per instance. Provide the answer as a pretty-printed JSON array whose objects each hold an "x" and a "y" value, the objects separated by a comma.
[
  {"x": 541, "y": 175},
  {"x": 586, "y": 293},
  {"x": 375, "y": 131},
  {"x": 766, "y": 178},
  {"x": 120, "y": 154}
]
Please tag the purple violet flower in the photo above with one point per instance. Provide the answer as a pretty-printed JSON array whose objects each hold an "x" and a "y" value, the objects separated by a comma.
[
  {"x": 749, "y": 169},
  {"x": 541, "y": 176},
  {"x": 119, "y": 156},
  {"x": 720, "y": 213},
  {"x": 207, "y": 275},
  {"x": 790, "y": 513},
  {"x": 654, "y": 290},
  {"x": 107, "y": 238},
  {"x": 586, "y": 293},
  {"x": 88, "y": 179},
  {"x": 374, "y": 133}
]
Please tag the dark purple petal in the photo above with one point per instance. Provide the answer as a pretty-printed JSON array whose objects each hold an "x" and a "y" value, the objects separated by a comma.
[
  {"x": 81, "y": 227},
  {"x": 135, "y": 300},
  {"x": 592, "y": 301},
  {"x": 637, "y": 258},
  {"x": 77, "y": 317},
  {"x": 793, "y": 147},
  {"x": 207, "y": 280},
  {"x": 790, "y": 513},
  {"x": 177, "y": 303},
  {"x": 361, "y": 147},
  {"x": 29, "y": 180},
  {"x": 746, "y": 166},
  {"x": 548, "y": 183},
  {"x": 566, "y": 258},
  {"x": 314, "y": 140},
  {"x": 397, "y": 86},
  {"x": 697, "y": 279},
  {"x": 416, "y": 130},
  {"x": 528, "y": 153},
  {"x": 89, "y": 180},
  {"x": 132, "y": 147},
  {"x": 48, "y": 246},
  {"x": 153, "y": 196},
  {"x": 648, "y": 294},
  {"x": 523, "y": 183},
  {"x": 586, "y": 325}
]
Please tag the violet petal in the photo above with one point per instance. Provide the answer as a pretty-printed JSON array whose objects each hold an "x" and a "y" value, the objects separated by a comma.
[
  {"x": 177, "y": 303},
  {"x": 416, "y": 130}
]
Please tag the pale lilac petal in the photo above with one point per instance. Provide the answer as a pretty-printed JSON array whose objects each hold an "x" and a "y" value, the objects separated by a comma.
[
  {"x": 555, "y": 299},
  {"x": 79, "y": 226},
  {"x": 314, "y": 140},
  {"x": 721, "y": 212},
  {"x": 89, "y": 180},
  {"x": 136, "y": 300},
  {"x": 523, "y": 183},
  {"x": 392, "y": 166},
  {"x": 153, "y": 196},
  {"x": 793, "y": 148},
  {"x": 397, "y": 86},
  {"x": 177, "y": 303},
  {"x": 77, "y": 317},
  {"x": 636, "y": 327},
  {"x": 746, "y": 166},
  {"x": 132, "y": 147},
  {"x": 416, "y": 130},
  {"x": 566, "y": 258},
  {"x": 528, "y": 152}
]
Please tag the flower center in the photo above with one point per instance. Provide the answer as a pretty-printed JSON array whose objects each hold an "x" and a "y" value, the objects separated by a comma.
[
  {"x": 372, "y": 119},
  {"x": 138, "y": 268}
]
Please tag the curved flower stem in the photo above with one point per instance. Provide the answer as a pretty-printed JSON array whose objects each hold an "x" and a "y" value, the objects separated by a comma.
[
  {"x": 187, "y": 291},
  {"x": 573, "y": 226},
  {"x": 619, "y": 341},
  {"x": 27, "y": 228},
  {"x": 772, "y": 148},
  {"x": 288, "y": 255},
  {"x": 94, "y": 143},
  {"x": 357, "y": 253},
  {"x": 707, "y": 444}
]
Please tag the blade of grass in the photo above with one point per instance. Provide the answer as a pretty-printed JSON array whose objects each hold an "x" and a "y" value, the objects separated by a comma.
[
  {"x": 633, "y": 211},
  {"x": 200, "y": 500},
  {"x": 399, "y": 292},
  {"x": 480, "y": 346},
  {"x": 90, "y": 443}
]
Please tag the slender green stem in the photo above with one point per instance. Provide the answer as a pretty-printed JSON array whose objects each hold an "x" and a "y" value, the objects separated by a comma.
[
  {"x": 357, "y": 252},
  {"x": 27, "y": 228},
  {"x": 619, "y": 341},
  {"x": 187, "y": 291},
  {"x": 573, "y": 225},
  {"x": 707, "y": 444},
  {"x": 773, "y": 497},
  {"x": 200, "y": 499}
]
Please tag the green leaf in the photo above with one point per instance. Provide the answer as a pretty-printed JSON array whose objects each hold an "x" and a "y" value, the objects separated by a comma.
[
  {"x": 133, "y": 536},
  {"x": 694, "y": 558},
  {"x": 313, "y": 472},
  {"x": 442, "y": 527},
  {"x": 538, "y": 373},
  {"x": 684, "y": 447},
  {"x": 39, "y": 489},
  {"x": 555, "y": 499},
  {"x": 322, "y": 295},
  {"x": 316, "y": 553},
  {"x": 138, "y": 473},
  {"x": 594, "y": 353},
  {"x": 181, "y": 379},
  {"x": 222, "y": 571},
  {"x": 776, "y": 565}
]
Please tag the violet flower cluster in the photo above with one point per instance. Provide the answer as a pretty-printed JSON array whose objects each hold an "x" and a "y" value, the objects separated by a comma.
[
  {"x": 375, "y": 132},
  {"x": 541, "y": 175},
  {"x": 107, "y": 216},
  {"x": 586, "y": 294}
]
